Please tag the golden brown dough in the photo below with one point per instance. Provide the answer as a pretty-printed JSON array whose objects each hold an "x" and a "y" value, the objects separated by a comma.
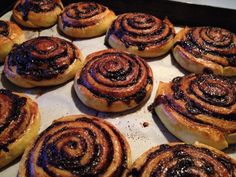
[
  {"x": 10, "y": 34},
  {"x": 42, "y": 61},
  {"x": 78, "y": 145},
  {"x": 85, "y": 19},
  {"x": 19, "y": 125},
  {"x": 37, "y": 14},
  {"x": 179, "y": 159},
  {"x": 199, "y": 108},
  {"x": 113, "y": 81},
  {"x": 206, "y": 48},
  {"x": 141, "y": 34}
]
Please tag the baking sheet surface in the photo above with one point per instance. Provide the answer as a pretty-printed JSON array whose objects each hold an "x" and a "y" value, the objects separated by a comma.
[{"x": 142, "y": 129}]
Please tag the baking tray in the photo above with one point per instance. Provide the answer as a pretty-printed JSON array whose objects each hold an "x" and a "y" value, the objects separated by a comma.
[
  {"x": 142, "y": 129},
  {"x": 180, "y": 13}
]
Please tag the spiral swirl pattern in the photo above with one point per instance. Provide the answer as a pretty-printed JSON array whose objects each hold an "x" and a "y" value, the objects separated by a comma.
[
  {"x": 10, "y": 34},
  {"x": 4, "y": 28},
  {"x": 183, "y": 160},
  {"x": 78, "y": 146},
  {"x": 199, "y": 108},
  {"x": 83, "y": 14},
  {"x": 141, "y": 30},
  {"x": 43, "y": 57},
  {"x": 36, "y": 6},
  {"x": 206, "y": 99},
  {"x": 15, "y": 118},
  {"x": 116, "y": 76},
  {"x": 208, "y": 46}
]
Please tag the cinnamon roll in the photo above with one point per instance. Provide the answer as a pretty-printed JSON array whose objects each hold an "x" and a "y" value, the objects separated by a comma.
[
  {"x": 113, "y": 81},
  {"x": 141, "y": 34},
  {"x": 42, "y": 61},
  {"x": 10, "y": 34},
  {"x": 78, "y": 145},
  {"x": 178, "y": 159},
  {"x": 206, "y": 48},
  {"x": 85, "y": 19},
  {"x": 199, "y": 108},
  {"x": 19, "y": 124},
  {"x": 37, "y": 13}
]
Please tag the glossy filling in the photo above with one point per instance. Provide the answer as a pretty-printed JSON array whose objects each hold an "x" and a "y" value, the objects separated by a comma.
[
  {"x": 211, "y": 44},
  {"x": 37, "y": 6},
  {"x": 82, "y": 14},
  {"x": 205, "y": 98},
  {"x": 184, "y": 160},
  {"x": 140, "y": 30},
  {"x": 4, "y": 28},
  {"x": 42, "y": 58},
  {"x": 82, "y": 147},
  {"x": 116, "y": 76},
  {"x": 14, "y": 118}
]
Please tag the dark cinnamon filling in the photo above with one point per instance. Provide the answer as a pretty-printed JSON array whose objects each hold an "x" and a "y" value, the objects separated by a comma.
[
  {"x": 59, "y": 158},
  {"x": 121, "y": 30},
  {"x": 4, "y": 28},
  {"x": 214, "y": 40},
  {"x": 211, "y": 93},
  {"x": 116, "y": 72},
  {"x": 40, "y": 58},
  {"x": 36, "y": 6},
  {"x": 221, "y": 94},
  {"x": 138, "y": 97},
  {"x": 16, "y": 114},
  {"x": 123, "y": 165},
  {"x": 216, "y": 90},
  {"x": 81, "y": 11},
  {"x": 184, "y": 163}
]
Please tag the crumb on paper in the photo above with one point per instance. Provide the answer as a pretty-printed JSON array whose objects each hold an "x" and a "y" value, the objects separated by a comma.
[
  {"x": 134, "y": 134},
  {"x": 145, "y": 124}
]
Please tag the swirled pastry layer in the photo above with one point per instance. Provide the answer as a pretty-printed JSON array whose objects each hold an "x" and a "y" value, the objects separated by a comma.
[
  {"x": 10, "y": 34},
  {"x": 78, "y": 145},
  {"x": 19, "y": 124},
  {"x": 199, "y": 108},
  {"x": 37, "y": 13},
  {"x": 178, "y": 159},
  {"x": 141, "y": 34},
  {"x": 42, "y": 61},
  {"x": 85, "y": 19},
  {"x": 200, "y": 48},
  {"x": 113, "y": 81}
]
